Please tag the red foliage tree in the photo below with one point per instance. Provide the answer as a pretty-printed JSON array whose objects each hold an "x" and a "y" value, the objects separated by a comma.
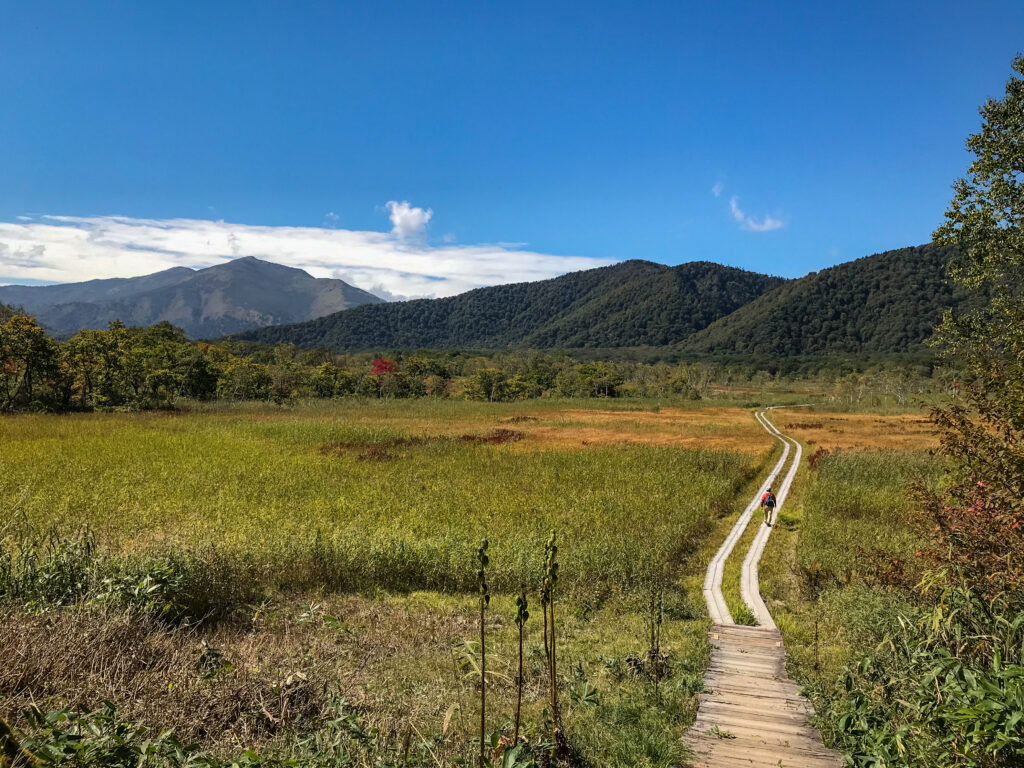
[{"x": 383, "y": 367}]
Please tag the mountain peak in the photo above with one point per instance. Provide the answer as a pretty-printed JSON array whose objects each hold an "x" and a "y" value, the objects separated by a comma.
[
  {"x": 252, "y": 262},
  {"x": 229, "y": 297}
]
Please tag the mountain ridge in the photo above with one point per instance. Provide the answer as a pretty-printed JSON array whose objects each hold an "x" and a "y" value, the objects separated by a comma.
[
  {"x": 234, "y": 296},
  {"x": 887, "y": 302},
  {"x": 632, "y": 302}
]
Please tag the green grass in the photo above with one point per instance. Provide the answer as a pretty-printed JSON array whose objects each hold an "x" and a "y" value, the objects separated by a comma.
[
  {"x": 832, "y": 561},
  {"x": 257, "y": 503},
  {"x": 855, "y": 512},
  {"x": 260, "y": 490}
]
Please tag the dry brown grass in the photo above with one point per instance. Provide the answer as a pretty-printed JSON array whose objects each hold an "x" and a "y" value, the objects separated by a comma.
[
  {"x": 155, "y": 674},
  {"x": 545, "y": 427},
  {"x": 713, "y": 428},
  {"x": 390, "y": 657},
  {"x": 902, "y": 432},
  {"x": 277, "y": 674}
]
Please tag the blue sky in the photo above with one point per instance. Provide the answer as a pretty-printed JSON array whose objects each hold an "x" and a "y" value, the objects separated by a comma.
[{"x": 593, "y": 130}]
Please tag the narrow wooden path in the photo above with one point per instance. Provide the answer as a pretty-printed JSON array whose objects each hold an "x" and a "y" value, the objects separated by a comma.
[{"x": 751, "y": 715}]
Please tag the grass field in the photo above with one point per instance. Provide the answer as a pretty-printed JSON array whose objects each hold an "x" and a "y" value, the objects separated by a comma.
[
  {"x": 394, "y": 495},
  {"x": 318, "y": 565},
  {"x": 336, "y": 545}
]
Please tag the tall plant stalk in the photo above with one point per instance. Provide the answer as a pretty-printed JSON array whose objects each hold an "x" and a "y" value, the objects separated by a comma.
[
  {"x": 548, "y": 596},
  {"x": 656, "y": 620},
  {"x": 485, "y": 599},
  {"x": 522, "y": 614}
]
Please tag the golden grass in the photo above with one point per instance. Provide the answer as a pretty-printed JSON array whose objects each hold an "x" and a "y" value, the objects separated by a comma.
[
  {"x": 545, "y": 424},
  {"x": 717, "y": 428},
  {"x": 832, "y": 430}
]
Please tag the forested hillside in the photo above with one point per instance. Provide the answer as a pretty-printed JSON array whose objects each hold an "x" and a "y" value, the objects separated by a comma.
[
  {"x": 889, "y": 302},
  {"x": 629, "y": 304}
]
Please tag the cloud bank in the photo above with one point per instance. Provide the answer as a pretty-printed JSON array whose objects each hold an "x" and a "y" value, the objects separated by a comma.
[
  {"x": 751, "y": 224},
  {"x": 393, "y": 265}
]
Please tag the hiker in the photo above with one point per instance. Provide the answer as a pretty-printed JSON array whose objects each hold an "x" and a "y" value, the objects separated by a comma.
[{"x": 768, "y": 504}]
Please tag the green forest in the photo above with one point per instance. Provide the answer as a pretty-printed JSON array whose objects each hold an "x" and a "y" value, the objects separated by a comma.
[
  {"x": 889, "y": 302},
  {"x": 886, "y": 303},
  {"x": 634, "y": 303}
]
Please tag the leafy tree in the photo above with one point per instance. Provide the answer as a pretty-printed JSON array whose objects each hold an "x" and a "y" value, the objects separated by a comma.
[
  {"x": 245, "y": 380},
  {"x": 27, "y": 357},
  {"x": 7, "y": 311},
  {"x": 981, "y": 523},
  {"x": 488, "y": 384},
  {"x": 590, "y": 380},
  {"x": 325, "y": 381}
]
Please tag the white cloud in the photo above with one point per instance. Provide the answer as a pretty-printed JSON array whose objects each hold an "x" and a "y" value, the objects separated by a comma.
[
  {"x": 718, "y": 189},
  {"x": 407, "y": 220},
  {"x": 70, "y": 249},
  {"x": 751, "y": 224}
]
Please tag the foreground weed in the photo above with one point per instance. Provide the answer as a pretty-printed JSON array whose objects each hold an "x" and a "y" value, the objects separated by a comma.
[
  {"x": 522, "y": 614},
  {"x": 485, "y": 599},
  {"x": 745, "y": 617},
  {"x": 548, "y": 602},
  {"x": 654, "y": 656},
  {"x": 718, "y": 733}
]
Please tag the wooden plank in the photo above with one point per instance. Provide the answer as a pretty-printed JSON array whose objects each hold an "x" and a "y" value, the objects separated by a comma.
[
  {"x": 737, "y": 684},
  {"x": 781, "y": 710},
  {"x": 759, "y": 754},
  {"x": 772, "y": 731}
]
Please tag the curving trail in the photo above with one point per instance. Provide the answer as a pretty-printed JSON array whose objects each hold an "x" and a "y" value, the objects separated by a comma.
[
  {"x": 750, "y": 588},
  {"x": 751, "y": 714},
  {"x": 717, "y": 608}
]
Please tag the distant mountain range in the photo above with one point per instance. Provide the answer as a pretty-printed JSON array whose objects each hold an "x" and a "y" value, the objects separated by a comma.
[
  {"x": 628, "y": 304},
  {"x": 228, "y": 298},
  {"x": 885, "y": 303}
]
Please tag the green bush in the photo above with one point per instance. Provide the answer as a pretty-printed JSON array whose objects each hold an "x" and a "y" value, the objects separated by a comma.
[{"x": 945, "y": 689}]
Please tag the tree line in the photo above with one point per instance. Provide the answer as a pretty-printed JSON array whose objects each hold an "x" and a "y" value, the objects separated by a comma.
[{"x": 157, "y": 366}]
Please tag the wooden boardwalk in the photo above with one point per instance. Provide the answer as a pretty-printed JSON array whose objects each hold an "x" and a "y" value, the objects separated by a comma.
[{"x": 751, "y": 715}]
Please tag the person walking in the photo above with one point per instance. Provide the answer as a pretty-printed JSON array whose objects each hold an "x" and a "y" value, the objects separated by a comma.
[{"x": 768, "y": 505}]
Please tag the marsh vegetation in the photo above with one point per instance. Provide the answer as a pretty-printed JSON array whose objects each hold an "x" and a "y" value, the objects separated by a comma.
[{"x": 275, "y": 582}]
